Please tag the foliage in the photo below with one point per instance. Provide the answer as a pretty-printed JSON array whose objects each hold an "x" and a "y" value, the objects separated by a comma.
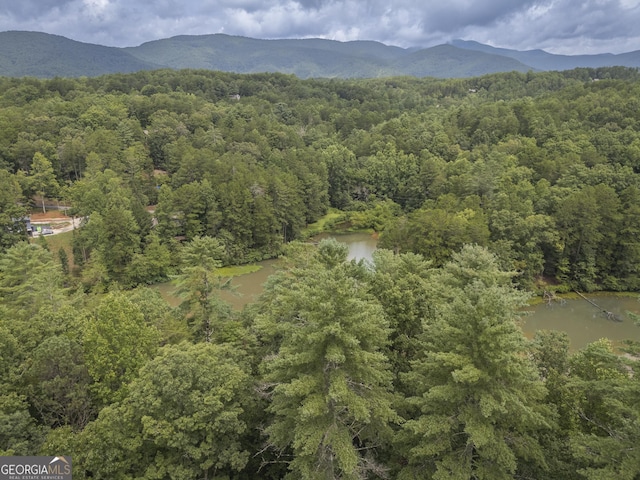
[
  {"x": 184, "y": 414},
  {"x": 330, "y": 381},
  {"x": 412, "y": 365},
  {"x": 609, "y": 417},
  {"x": 117, "y": 342},
  {"x": 30, "y": 280},
  {"x": 478, "y": 404},
  {"x": 199, "y": 284},
  {"x": 42, "y": 179},
  {"x": 12, "y": 226},
  {"x": 515, "y": 164}
]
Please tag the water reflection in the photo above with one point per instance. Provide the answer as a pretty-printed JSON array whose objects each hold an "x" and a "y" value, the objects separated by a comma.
[
  {"x": 248, "y": 287},
  {"x": 361, "y": 245}
]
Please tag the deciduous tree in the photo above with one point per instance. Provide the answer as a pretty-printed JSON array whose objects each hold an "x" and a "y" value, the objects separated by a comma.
[
  {"x": 42, "y": 178},
  {"x": 183, "y": 417}
]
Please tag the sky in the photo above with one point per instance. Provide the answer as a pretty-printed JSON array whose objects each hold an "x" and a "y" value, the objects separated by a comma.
[{"x": 558, "y": 26}]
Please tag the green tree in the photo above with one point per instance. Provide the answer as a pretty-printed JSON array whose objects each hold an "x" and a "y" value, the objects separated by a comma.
[
  {"x": 587, "y": 220},
  {"x": 190, "y": 210},
  {"x": 117, "y": 342},
  {"x": 198, "y": 286},
  {"x": 608, "y": 414},
  {"x": 57, "y": 383},
  {"x": 64, "y": 260},
  {"x": 72, "y": 155},
  {"x": 116, "y": 238},
  {"x": 184, "y": 417},
  {"x": 12, "y": 224},
  {"x": 341, "y": 165},
  {"x": 159, "y": 314},
  {"x": 151, "y": 266},
  {"x": 165, "y": 214},
  {"x": 331, "y": 400},
  {"x": 402, "y": 285},
  {"x": 550, "y": 351},
  {"x": 19, "y": 434},
  {"x": 42, "y": 178},
  {"x": 627, "y": 264},
  {"x": 30, "y": 281},
  {"x": 437, "y": 232},
  {"x": 478, "y": 400},
  {"x": 288, "y": 207}
]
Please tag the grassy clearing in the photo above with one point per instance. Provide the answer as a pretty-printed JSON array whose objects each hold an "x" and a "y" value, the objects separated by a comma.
[
  {"x": 326, "y": 223},
  {"x": 58, "y": 241}
]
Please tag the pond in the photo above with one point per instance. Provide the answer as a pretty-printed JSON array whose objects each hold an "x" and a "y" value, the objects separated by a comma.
[
  {"x": 583, "y": 322},
  {"x": 361, "y": 245},
  {"x": 248, "y": 287}
]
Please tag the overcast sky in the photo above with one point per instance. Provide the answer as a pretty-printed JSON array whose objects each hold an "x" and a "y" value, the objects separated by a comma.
[{"x": 558, "y": 26}]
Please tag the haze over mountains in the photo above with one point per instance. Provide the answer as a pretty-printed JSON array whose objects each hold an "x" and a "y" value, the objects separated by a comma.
[{"x": 44, "y": 55}]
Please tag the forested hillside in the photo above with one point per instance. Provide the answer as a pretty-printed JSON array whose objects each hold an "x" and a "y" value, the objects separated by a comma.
[
  {"x": 483, "y": 190},
  {"x": 37, "y": 54}
]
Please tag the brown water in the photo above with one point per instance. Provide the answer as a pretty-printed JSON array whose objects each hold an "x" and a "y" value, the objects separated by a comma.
[
  {"x": 248, "y": 287},
  {"x": 582, "y": 321}
]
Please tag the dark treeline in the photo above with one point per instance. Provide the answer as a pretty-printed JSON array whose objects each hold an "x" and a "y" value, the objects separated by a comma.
[{"x": 412, "y": 367}]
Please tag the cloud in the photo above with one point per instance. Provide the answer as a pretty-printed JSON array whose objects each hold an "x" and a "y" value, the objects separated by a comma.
[
  {"x": 567, "y": 26},
  {"x": 454, "y": 15},
  {"x": 560, "y": 26}
]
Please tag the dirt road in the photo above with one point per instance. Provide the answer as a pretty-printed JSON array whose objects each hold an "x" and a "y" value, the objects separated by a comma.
[{"x": 57, "y": 222}]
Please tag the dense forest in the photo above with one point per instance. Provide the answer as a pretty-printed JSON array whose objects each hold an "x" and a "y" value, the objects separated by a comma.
[{"x": 484, "y": 192}]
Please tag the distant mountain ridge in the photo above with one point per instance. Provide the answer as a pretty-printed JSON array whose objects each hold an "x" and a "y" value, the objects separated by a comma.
[
  {"x": 541, "y": 60},
  {"x": 44, "y": 55}
]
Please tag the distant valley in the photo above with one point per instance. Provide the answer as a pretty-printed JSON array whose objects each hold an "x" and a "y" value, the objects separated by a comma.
[{"x": 42, "y": 55}]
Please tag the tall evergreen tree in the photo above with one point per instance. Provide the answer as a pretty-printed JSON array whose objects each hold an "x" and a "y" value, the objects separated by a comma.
[
  {"x": 198, "y": 285},
  {"x": 331, "y": 400},
  {"x": 477, "y": 400}
]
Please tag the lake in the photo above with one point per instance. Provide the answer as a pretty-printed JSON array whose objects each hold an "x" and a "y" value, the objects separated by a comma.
[
  {"x": 583, "y": 322},
  {"x": 248, "y": 287}
]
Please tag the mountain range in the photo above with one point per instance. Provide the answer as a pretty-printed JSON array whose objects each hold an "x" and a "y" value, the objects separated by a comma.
[{"x": 43, "y": 55}]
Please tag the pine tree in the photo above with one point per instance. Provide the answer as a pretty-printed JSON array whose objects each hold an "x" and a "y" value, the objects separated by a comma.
[
  {"x": 477, "y": 400},
  {"x": 330, "y": 380},
  {"x": 199, "y": 285}
]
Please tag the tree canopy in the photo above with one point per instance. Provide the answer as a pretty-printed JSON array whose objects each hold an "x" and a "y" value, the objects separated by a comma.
[{"x": 483, "y": 192}]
